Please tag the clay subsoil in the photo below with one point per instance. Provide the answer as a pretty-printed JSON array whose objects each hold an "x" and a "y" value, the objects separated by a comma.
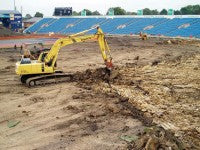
[{"x": 150, "y": 101}]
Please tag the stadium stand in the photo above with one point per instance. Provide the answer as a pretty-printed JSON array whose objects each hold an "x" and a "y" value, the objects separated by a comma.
[
  {"x": 113, "y": 24},
  {"x": 37, "y": 25},
  {"x": 56, "y": 25},
  {"x": 191, "y": 29},
  {"x": 138, "y": 25},
  {"x": 83, "y": 24},
  {"x": 187, "y": 26}
]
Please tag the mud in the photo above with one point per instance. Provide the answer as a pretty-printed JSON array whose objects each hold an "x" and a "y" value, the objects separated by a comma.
[{"x": 152, "y": 96}]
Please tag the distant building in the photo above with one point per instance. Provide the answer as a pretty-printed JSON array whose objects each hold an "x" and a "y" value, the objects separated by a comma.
[
  {"x": 29, "y": 22},
  {"x": 63, "y": 11},
  {"x": 11, "y": 19}
]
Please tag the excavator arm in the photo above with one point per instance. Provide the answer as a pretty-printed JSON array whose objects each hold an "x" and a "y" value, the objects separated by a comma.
[
  {"x": 105, "y": 50},
  {"x": 51, "y": 57}
]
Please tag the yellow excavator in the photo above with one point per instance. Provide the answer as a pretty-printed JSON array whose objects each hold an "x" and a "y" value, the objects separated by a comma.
[{"x": 44, "y": 70}]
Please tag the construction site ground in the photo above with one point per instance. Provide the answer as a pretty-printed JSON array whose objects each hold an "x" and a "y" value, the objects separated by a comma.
[{"x": 152, "y": 100}]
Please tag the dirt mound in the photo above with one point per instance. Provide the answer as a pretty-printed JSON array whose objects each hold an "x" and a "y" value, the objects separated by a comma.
[
  {"x": 97, "y": 75},
  {"x": 155, "y": 138},
  {"x": 177, "y": 42},
  {"x": 7, "y": 32}
]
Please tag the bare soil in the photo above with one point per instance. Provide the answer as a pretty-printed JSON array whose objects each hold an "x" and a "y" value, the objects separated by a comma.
[
  {"x": 4, "y": 32},
  {"x": 152, "y": 98}
]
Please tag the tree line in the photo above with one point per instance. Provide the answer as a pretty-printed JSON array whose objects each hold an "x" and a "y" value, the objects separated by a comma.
[{"x": 187, "y": 10}]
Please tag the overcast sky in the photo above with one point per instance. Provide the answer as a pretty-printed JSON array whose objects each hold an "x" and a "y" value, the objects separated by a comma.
[{"x": 47, "y": 6}]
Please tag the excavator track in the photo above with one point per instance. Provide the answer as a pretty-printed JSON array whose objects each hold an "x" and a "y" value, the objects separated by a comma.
[{"x": 49, "y": 79}]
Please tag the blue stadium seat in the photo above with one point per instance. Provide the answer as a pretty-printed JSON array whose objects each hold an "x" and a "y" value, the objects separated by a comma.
[
  {"x": 83, "y": 24},
  {"x": 167, "y": 26},
  {"x": 58, "y": 25},
  {"x": 112, "y": 24},
  {"x": 138, "y": 25},
  {"x": 191, "y": 30},
  {"x": 37, "y": 25}
]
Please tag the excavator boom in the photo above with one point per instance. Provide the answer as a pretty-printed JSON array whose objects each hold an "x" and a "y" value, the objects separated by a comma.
[{"x": 51, "y": 57}]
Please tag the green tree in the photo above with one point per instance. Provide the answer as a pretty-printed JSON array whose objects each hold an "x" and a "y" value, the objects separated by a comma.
[
  {"x": 177, "y": 12},
  {"x": 118, "y": 11},
  {"x": 38, "y": 14},
  {"x": 75, "y": 13},
  {"x": 131, "y": 13},
  {"x": 190, "y": 10},
  {"x": 154, "y": 12},
  {"x": 28, "y": 16},
  {"x": 147, "y": 11},
  {"x": 163, "y": 12},
  {"x": 96, "y": 13},
  {"x": 186, "y": 10},
  {"x": 196, "y": 9},
  {"x": 88, "y": 12}
]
